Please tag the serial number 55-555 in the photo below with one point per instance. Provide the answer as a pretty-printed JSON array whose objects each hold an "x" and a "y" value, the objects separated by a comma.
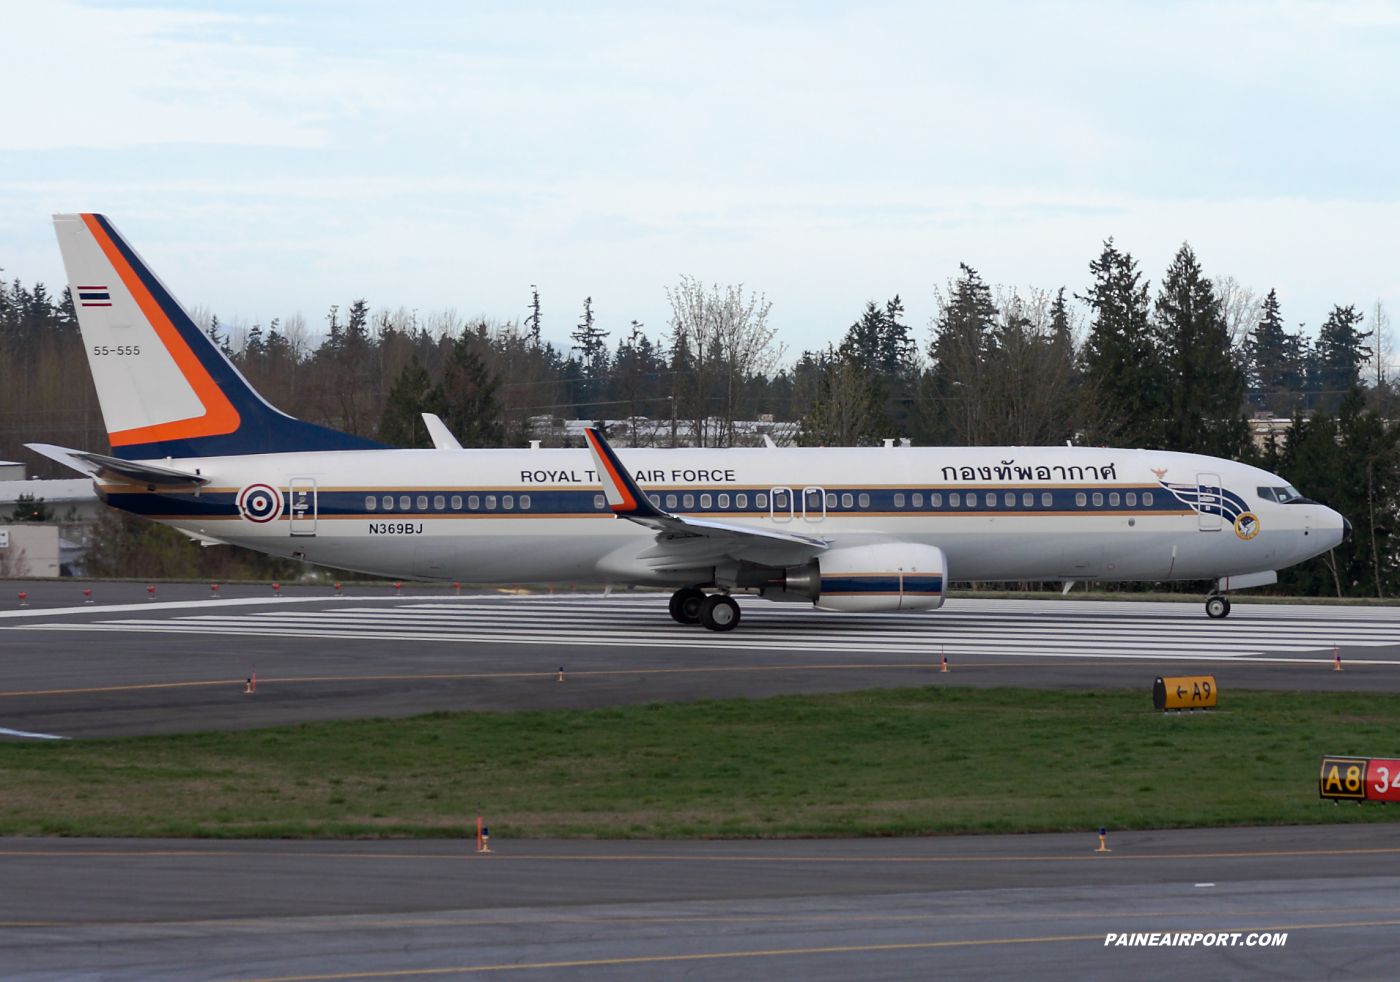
[{"x": 119, "y": 349}]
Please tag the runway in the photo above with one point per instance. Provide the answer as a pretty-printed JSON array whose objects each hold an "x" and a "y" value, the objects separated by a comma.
[
  {"x": 961, "y": 907},
  {"x": 181, "y": 662}
]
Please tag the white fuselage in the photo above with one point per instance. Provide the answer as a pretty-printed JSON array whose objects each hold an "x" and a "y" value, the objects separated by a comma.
[{"x": 1025, "y": 521}]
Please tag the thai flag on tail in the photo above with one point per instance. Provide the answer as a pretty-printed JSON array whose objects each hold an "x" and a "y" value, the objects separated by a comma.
[{"x": 94, "y": 296}]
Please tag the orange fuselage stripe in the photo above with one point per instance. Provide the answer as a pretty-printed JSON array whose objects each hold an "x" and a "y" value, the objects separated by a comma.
[{"x": 219, "y": 415}]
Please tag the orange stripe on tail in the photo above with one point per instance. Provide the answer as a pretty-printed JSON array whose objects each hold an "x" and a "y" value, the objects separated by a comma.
[{"x": 219, "y": 415}]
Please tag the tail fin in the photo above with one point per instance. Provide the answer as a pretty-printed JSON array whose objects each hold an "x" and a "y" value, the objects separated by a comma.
[{"x": 166, "y": 390}]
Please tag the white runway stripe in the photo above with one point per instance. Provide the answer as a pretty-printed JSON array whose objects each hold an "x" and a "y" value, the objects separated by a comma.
[{"x": 1085, "y": 629}]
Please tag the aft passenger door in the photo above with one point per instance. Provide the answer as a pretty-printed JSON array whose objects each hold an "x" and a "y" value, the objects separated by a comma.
[
  {"x": 1209, "y": 502},
  {"x": 303, "y": 505}
]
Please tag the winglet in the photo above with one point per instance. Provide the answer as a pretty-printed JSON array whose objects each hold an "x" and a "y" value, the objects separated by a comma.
[{"x": 624, "y": 497}]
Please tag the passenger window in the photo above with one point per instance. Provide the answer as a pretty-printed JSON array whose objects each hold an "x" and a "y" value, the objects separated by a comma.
[
  {"x": 936, "y": 501},
  {"x": 456, "y": 502},
  {"x": 972, "y": 500},
  {"x": 422, "y": 502},
  {"x": 1080, "y": 500},
  {"x": 690, "y": 501},
  {"x": 1028, "y": 500},
  {"x": 507, "y": 502},
  {"x": 1098, "y": 500},
  {"x": 865, "y": 501},
  {"x": 1113, "y": 498},
  {"x": 599, "y": 501},
  {"x": 490, "y": 502},
  {"x": 655, "y": 500},
  {"x": 524, "y": 501},
  {"x": 760, "y": 500},
  {"x": 899, "y": 501},
  {"x": 1046, "y": 499},
  {"x": 741, "y": 501},
  {"x": 405, "y": 503},
  {"x": 705, "y": 501},
  {"x": 1147, "y": 498},
  {"x": 918, "y": 500},
  {"x": 848, "y": 500},
  {"x": 724, "y": 501},
  {"x": 1010, "y": 500},
  {"x": 439, "y": 502},
  {"x": 991, "y": 500},
  {"x": 670, "y": 501},
  {"x": 1130, "y": 498},
  {"x": 370, "y": 503},
  {"x": 388, "y": 502},
  {"x": 831, "y": 499},
  {"x": 955, "y": 500},
  {"x": 473, "y": 502}
]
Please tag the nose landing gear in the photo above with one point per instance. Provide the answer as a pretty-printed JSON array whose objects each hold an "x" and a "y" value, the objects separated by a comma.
[
  {"x": 715, "y": 612},
  {"x": 1217, "y": 607}
]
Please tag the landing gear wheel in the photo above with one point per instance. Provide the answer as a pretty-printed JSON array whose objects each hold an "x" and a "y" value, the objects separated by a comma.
[
  {"x": 1217, "y": 607},
  {"x": 685, "y": 605},
  {"x": 719, "y": 613}
]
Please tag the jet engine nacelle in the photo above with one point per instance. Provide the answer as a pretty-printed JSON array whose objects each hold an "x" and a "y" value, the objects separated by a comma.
[{"x": 883, "y": 576}]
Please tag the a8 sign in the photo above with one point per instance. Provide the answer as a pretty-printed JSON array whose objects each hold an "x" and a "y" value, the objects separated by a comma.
[{"x": 1360, "y": 779}]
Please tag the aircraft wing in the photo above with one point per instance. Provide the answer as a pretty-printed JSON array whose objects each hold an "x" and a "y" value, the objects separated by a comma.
[
  {"x": 107, "y": 468},
  {"x": 681, "y": 535}
]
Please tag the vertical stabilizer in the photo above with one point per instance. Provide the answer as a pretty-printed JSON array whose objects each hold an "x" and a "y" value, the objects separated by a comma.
[{"x": 165, "y": 389}]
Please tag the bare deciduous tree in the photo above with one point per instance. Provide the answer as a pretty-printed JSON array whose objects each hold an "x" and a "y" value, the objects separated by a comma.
[{"x": 719, "y": 340}]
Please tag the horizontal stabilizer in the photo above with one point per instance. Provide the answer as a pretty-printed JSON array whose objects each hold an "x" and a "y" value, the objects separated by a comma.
[
  {"x": 442, "y": 436},
  {"x": 106, "y": 468}
]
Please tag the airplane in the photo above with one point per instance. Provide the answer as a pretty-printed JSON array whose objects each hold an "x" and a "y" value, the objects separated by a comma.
[{"x": 843, "y": 529}]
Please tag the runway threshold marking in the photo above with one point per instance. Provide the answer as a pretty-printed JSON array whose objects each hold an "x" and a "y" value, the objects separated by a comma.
[{"x": 657, "y": 959}]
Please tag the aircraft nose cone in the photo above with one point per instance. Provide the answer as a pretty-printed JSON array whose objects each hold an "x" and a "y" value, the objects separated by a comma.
[{"x": 1346, "y": 530}]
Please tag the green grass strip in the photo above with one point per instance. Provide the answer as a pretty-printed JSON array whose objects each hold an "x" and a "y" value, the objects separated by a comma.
[{"x": 880, "y": 762}]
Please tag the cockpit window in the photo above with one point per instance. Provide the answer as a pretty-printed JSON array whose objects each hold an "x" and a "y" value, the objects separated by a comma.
[
  {"x": 1287, "y": 493},
  {"x": 1266, "y": 493}
]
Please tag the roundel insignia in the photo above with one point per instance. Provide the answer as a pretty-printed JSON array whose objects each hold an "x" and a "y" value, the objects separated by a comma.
[
  {"x": 260, "y": 503},
  {"x": 1247, "y": 525}
]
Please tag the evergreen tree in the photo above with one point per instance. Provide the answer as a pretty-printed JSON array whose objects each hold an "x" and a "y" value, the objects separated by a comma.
[
  {"x": 1341, "y": 351},
  {"x": 591, "y": 340},
  {"x": 470, "y": 407},
  {"x": 532, "y": 323},
  {"x": 1204, "y": 390},
  {"x": 31, "y": 509},
  {"x": 880, "y": 340},
  {"x": 1276, "y": 361},
  {"x": 1121, "y": 370},
  {"x": 412, "y": 394},
  {"x": 955, "y": 395}
]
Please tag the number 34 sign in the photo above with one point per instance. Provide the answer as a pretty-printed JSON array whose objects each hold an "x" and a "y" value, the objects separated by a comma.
[{"x": 1360, "y": 779}]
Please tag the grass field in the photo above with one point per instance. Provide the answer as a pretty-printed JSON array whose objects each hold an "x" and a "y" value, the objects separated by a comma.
[{"x": 881, "y": 762}]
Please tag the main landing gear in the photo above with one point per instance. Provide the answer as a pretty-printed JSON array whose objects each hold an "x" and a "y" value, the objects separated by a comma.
[
  {"x": 1217, "y": 607},
  {"x": 715, "y": 612}
]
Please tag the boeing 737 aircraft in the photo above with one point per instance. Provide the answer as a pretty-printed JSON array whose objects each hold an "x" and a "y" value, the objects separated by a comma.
[{"x": 849, "y": 529}]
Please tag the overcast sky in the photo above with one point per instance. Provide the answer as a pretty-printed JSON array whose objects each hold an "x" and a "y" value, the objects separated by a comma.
[{"x": 273, "y": 158}]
